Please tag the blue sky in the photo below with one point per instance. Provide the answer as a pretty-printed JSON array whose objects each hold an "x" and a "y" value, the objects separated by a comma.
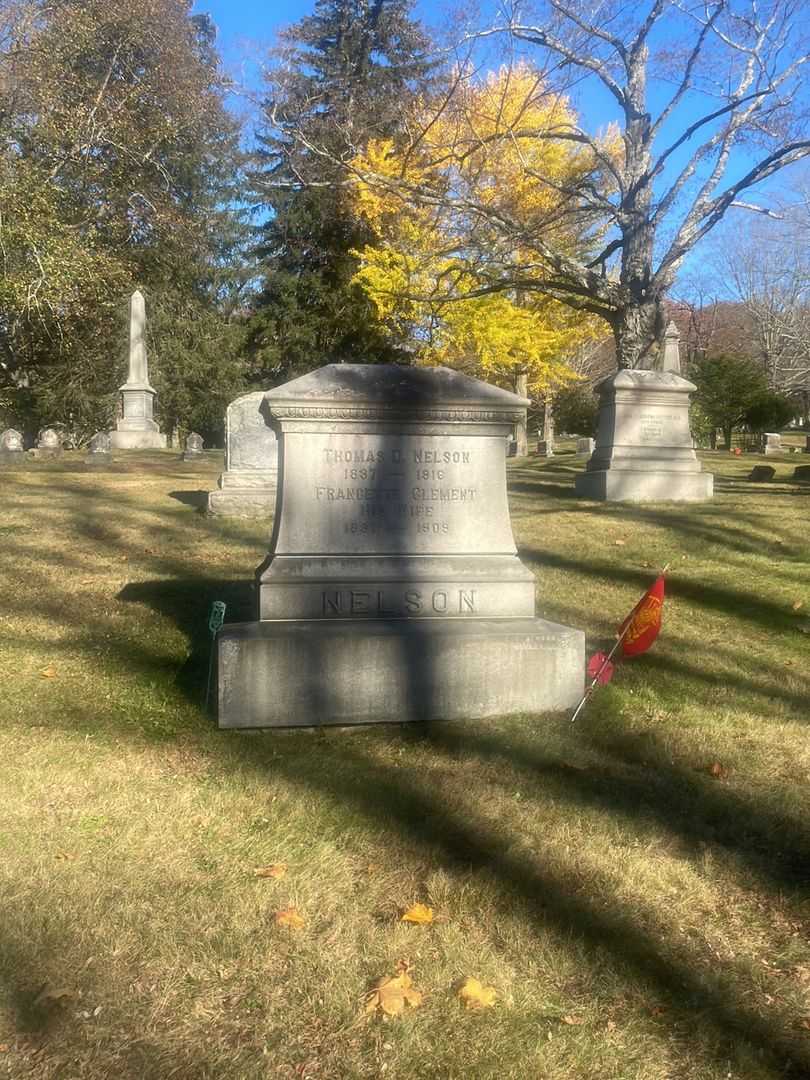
[{"x": 247, "y": 28}]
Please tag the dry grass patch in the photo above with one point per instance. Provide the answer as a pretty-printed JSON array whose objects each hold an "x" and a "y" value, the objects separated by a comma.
[{"x": 638, "y": 913}]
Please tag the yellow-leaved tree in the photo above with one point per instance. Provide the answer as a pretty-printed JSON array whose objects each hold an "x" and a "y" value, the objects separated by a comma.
[{"x": 458, "y": 210}]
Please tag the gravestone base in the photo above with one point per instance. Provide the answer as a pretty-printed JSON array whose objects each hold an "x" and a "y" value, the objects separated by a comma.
[
  {"x": 644, "y": 485},
  {"x": 99, "y": 460},
  {"x": 13, "y": 459},
  {"x": 314, "y": 672},
  {"x": 242, "y": 502},
  {"x": 137, "y": 440},
  {"x": 191, "y": 455}
]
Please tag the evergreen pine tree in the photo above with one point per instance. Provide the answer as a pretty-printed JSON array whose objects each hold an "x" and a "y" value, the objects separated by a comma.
[{"x": 339, "y": 79}]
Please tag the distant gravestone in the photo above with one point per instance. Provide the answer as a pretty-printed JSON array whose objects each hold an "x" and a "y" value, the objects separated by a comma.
[
  {"x": 644, "y": 449},
  {"x": 802, "y": 473},
  {"x": 545, "y": 448},
  {"x": 248, "y": 486},
  {"x": 807, "y": 444},
  {"x": 194, "y": 448},
  {"x": 99, "y": 450},
  {"x": 393, "y": 591},
  {"x": 49, "y": 444},
  {"x": 585, "y": 446},
  {"x": 773, "y": 442},
  {"x": 11, "y": 448},
  {"x": 762, "y": 472}
]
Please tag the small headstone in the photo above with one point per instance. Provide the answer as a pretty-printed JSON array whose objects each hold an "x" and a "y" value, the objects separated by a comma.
[
  {"x": 545, "y": 448},
  {"x": 585, "y": 446},
  {"x": 773, "y": 442},
  {"x": 393, "y": 591},
  {"x": 99, "y": 450},
  {"x": 11, "y": 448},
  {"x": 247, "y": 488},
  {"x": 49, "y": 444},
  {"x": 762, "y": 472},
  {"x": 194, "y": 448},
  {"x": 802, "y": 473}
]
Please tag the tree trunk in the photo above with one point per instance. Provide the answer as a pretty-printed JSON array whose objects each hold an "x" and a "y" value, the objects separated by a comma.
[
  {"x": 521, "y": 433},
  {"x": 713, "y": 439},
  {"x": 727, "y": 435},
  {"x": 637, "y": 331},
  {"x": 548, "y": 425}
]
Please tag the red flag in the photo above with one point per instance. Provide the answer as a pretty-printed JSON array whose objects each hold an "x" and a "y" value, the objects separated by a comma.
[
  {"x": 644, "y": 621},
  {"x": 600, "y": 668}
]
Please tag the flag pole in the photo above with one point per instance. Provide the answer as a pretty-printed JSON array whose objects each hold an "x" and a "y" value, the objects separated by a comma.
[
  {"x": 605, "y": 662},
  {"x": 595, "y": 679}
]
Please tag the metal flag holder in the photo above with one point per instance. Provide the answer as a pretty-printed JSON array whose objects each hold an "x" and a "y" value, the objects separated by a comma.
[{"x": 215, "y": 619}]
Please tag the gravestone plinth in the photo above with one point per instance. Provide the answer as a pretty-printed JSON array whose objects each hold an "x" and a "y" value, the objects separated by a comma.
[
  {"x": 393, "y": 591},
  {"x": 586, "y": 446},
  {"x": 644, "y": 450},
  {"x": 772, "y": 443},
  {"x": 11, "y": 448},
  {"x": 248, "y": 486},
  {"x": 137, "y": 428},
  {"x": 99, "y": 450}
]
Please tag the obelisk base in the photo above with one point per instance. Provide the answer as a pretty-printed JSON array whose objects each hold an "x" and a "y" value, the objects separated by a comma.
[
  {"x": 644, "y": 485},
  {"x": 137, "y": 440},
  {"x": 309, "y": 673}
]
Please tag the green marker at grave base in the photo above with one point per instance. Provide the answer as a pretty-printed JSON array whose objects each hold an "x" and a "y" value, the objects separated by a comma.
[
  {"x": 217, "y": 616},
  {"x": 215, "y": 619}
]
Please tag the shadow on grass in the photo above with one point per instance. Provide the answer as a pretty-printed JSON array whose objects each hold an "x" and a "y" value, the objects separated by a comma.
[
  {"x": 198, "y": 500},
  {"x": 697, "y": 995}
]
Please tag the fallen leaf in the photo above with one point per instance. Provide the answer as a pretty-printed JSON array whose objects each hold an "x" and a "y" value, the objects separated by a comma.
[
  {"x": 806, "y": 1023},
  {"x": 657, "y": 1010},
  {"x": 48, "y": 673},
  {"x": 290, "y": 918},
  {"x": 797, "y": 605},
  {"x": 48, "y": 994},
  {"x": 63, "y": 856},
  {"x": 418, "y": 913},
  {"x": 574, "y": 1021},
  {"x": 274, "y": 870},
  {"x": 716, "y": 770},
  {"x": 475, "y": 995},
  {"x": 4, "y": 1048},
  {"x": 619, "y": 543},
  {"x": 392, "y": 994}
]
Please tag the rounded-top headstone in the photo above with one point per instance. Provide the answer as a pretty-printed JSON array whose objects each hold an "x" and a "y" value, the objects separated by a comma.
[
  {"x": 100, "y": 443},
  {"x": 48, "y": 440},
  {"x": 11, "y": 441},
  {"x": 194, "y": 443}
]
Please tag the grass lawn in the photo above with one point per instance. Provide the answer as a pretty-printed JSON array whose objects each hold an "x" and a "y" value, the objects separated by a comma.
[{"x": 634, "y": 887}]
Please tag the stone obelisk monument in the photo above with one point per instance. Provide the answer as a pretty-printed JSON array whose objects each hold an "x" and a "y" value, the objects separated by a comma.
[
  {"x": 644, "y": 450},
  {"x": 137, "y": 430}
]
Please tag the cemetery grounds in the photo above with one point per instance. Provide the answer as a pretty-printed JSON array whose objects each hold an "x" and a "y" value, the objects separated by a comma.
[{"x": 634, "y": 887}]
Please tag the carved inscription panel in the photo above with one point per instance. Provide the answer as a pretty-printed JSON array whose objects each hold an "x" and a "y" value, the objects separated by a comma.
[
  {"x": 408, "y": 494},
  {"x": 654, "y": 427}
]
